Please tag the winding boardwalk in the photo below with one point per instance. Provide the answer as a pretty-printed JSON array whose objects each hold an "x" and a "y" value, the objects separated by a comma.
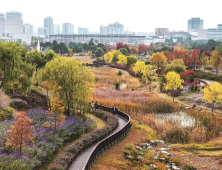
[{"x": 80, "y": 161}]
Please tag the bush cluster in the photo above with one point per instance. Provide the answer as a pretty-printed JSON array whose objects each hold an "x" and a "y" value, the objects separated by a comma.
[
  {"x": 6, "y": 114},
  {"x": 85, "y": 141},
  {"x": 208, "y": 76}
]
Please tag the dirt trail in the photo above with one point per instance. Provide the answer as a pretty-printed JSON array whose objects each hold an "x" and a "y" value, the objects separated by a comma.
[{"x": 5, "y": 101}]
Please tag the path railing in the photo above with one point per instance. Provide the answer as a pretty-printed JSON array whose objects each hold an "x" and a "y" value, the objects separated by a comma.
[{"x": 108, "y": 141}]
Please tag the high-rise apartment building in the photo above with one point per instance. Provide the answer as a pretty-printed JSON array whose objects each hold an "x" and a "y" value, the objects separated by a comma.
[
  {"x": 82, "y": 30},
  {"x": 42, "y": 31},
  {"x": 28, "y": 29},
  {"x": 48, "y": 24},
  {"x": 67, "y": 28},
  {"x": 2, "y": 16},
  {"x": 115, "y": 28},
  {"x": 13, "y": 15},
  {"x": 160, "y": 31},
  {"x": 56, "y": 29},
  {"x": 195, "y": 24}
]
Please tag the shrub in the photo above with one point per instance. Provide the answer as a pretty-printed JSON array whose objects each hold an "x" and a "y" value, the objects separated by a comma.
[
  {"x": 86, "y": 140},
  {"x": 120, "y": 73},
  {"x": 131, "y": 60},
  {"x": 6, "y": 114}
]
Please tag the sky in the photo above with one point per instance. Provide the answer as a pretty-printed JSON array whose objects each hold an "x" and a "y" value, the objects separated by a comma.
[{"x": 135, "y": 15}]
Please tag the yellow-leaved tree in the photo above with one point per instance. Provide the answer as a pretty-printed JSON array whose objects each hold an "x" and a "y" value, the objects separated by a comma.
[
  {"x": 122, "y": 59},
  {"x": 148, "y": 73},
  {"x": 173, "y": 82},
  {"x": 139, "y": 68},
  {"x": 215, "y": 60},
  {"x": 204, "y": 60},
  {"x": 213, "y": 94},
  {"x": 108, "y": 57},
  {"x": 56, "y": 112},
  {"x": 158, "y": 60}
]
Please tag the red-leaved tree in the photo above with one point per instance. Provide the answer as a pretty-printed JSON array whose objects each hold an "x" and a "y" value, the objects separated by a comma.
[
  {"x": 194, "y": 58},
  {"x": 119, "y": 45},
  {"x": 186, "y": 58},
  {"x": 21, "y": 133},
  {"x": 171, "y": 57},
  {"x": 177, "y": 54},
  {"x": 143, "y": 48}
]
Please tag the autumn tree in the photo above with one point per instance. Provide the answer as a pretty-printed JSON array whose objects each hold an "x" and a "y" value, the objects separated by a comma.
[
  {"x": 158, "y": 60},
  {"x": 134, "y": 50},
  {"x": 56, "y": 112},
  {"x": 15, "y": 67},
  {"x": 215, "y": 60},
  {"x": 186, "y": 46},
  {"x": 148, "y": 73},
  {"x": 204, "y": 60},
  {"x": 143, "y": 48},
  {"x": 177, "y": 56},
  {"x": 213, "y": 94},
  {"x": 194, "y": 58},
  {"x": 171, "y": 57},
  {"x": 139, "y": 68},
  {"x": 108, "y": 57},
  {"x": 186, "y": 58},
  {"x": 176, "y": 65},
  {"x": 116, "y": 53},
  {"x": 167, "y": 54},
  {"x": 122, "y": 59},
  {"x": 119, "y": 45},
  {"x": 71, "y": 79},
  {"x": 21, "y": 133},
  {"x": 173, "y": 82}
]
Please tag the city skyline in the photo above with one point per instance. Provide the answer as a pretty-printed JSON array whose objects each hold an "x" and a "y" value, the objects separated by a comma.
[{"x": 142, "y": 16}]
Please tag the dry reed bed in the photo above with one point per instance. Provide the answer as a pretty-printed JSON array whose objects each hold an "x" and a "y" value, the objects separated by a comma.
[{"x": 108, "y": 76}]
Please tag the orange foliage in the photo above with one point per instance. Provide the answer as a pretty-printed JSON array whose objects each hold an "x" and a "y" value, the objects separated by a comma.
[
  {"x": 20, "y": 135},
  {"x": 171, "y": 57},
  {"x": 194, "y": 57},
  {"x": 177, "y": 56},
  {"x": 55, "y": 112},
  {"x": 134, "y": 50},
  {"x": 185, "y": 57}
]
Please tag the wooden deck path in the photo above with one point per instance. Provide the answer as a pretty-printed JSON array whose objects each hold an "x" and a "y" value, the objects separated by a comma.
[{"x": 79, "y": 162}]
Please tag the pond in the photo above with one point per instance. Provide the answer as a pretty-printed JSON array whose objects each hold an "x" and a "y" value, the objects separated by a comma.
[{"x": 182, "y": 118}]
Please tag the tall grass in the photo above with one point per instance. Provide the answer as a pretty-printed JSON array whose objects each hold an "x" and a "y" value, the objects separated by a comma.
[{"x": 133, "y": 102}]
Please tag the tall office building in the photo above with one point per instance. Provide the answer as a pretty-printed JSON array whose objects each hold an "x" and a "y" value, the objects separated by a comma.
[
  {"x": 13, "y": 15},
  {"x": 82, "y": 30},
  {"x": 195, "y": 24},
  {"x": 48, "y": 24},
  {"x": 56, "y": 29},
  {"x": 2, "y": 16},
  {"x": 28, "y": 29},
  {"x": 115, "y": 28},
  {"x": 67, "y": 28},
  {"x": 160, "y": 31}
]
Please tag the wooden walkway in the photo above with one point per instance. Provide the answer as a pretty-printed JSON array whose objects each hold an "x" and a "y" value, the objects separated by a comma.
[{"x": 80, "y": 161}]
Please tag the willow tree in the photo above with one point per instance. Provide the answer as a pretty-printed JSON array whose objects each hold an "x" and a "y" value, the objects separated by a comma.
[
  {"x": 71, "y": 79},
  {"x": 14, "y": 67}
]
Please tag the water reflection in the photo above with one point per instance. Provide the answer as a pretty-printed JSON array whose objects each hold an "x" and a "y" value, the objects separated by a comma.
[{"x": 182, "y": 118}]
